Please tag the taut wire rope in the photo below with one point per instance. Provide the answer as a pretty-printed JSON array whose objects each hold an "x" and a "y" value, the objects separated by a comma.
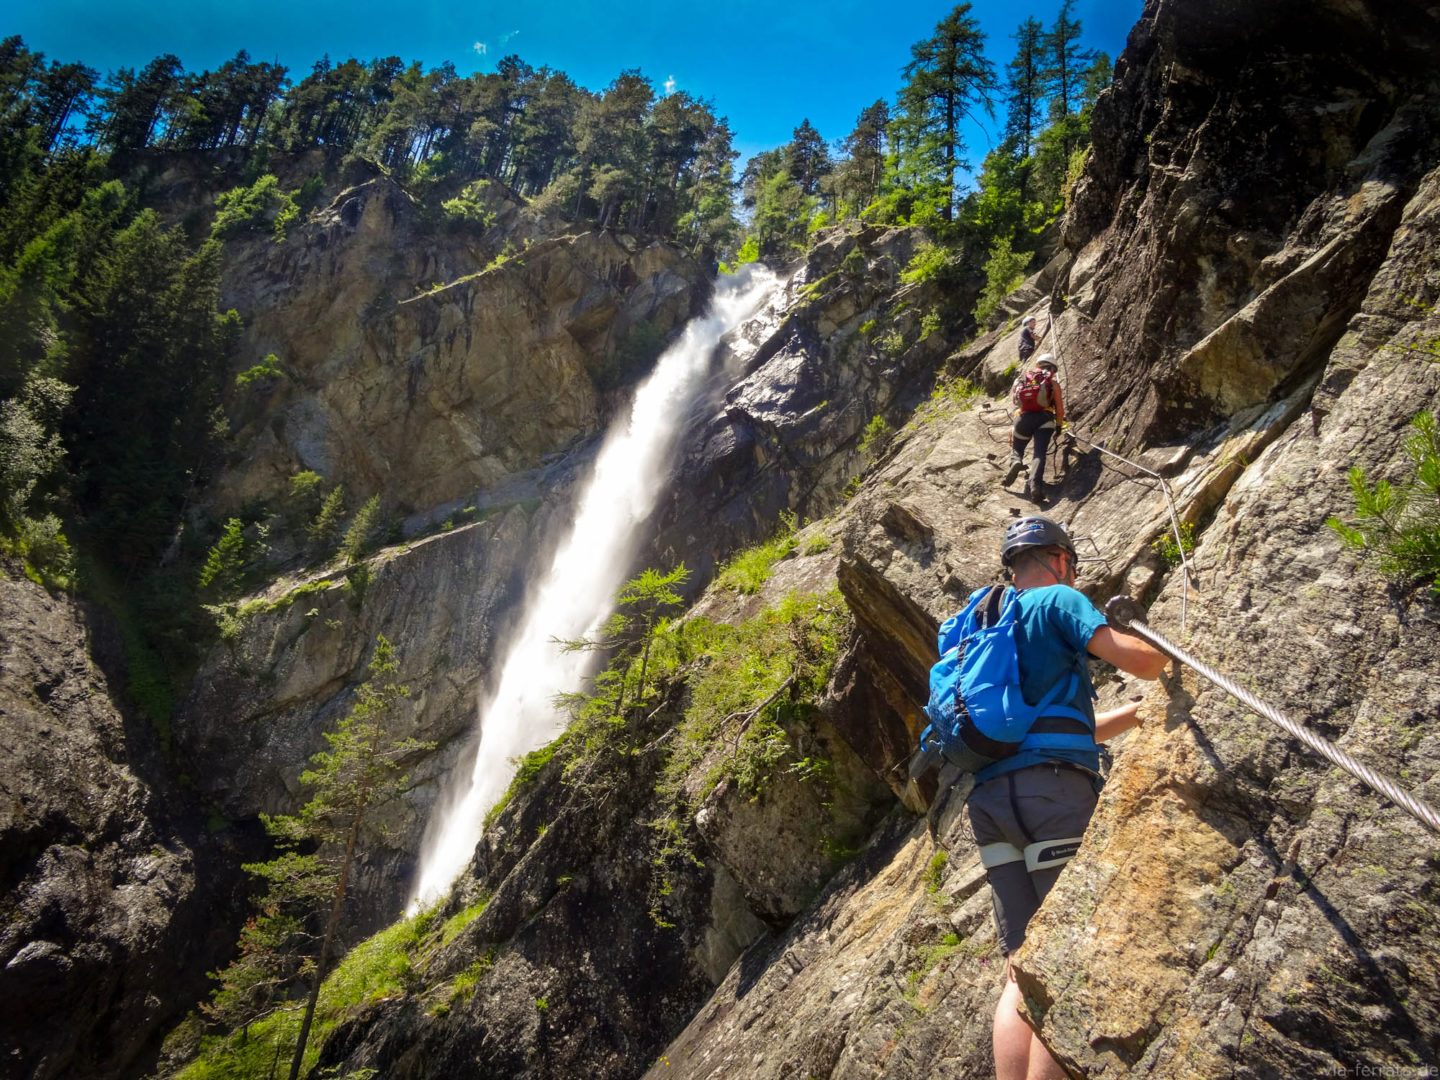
[
  {"x": 1126, "y": 613},
  {"x": 1164, "y": 487}
]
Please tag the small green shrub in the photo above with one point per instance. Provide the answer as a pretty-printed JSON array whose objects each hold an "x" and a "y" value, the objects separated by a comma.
[
  {"x": 816, "y": 288},
  {"x": 1170, "y": 551},
  {"x": 361, "y": 533},
  {"x": 268, "y": 370},
  {"x": 875, "y": 438},
  {"x": 816, "y": 544},
  {"x": 41, "y": 543},
  {"x": 452, "y": 926},
  {"x": 325, "y": 526},
  {"x": 949, "y": 396},
  {"x": 527, "y": 768},
  {"x": 749, "y": 251},
  {"x": 357, "y": 583},
  {"x": 261, "y": 205},
  {"x": 226, "y": 560},
  {"x": 1399, "y": 526},
  {"x": 469, "y": 208},
  {"x": 935, "y": 872},
  {"x": 303, "y": 501},
  {"x": 750, "y": 569},
  {"x": 1004, "y": 272},
  {"x": 890, "y": 342},
  {"x": 926, "y": 263}
]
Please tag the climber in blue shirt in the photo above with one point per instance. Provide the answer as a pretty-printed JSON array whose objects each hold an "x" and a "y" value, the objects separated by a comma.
[{"x": 1029, "y": 811}]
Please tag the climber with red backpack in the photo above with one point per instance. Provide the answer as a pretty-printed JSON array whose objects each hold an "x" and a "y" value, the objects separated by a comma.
[{"x": 1036, "y": 393}]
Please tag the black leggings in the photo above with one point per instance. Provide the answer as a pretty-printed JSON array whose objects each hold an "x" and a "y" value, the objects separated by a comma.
[{"x": 1040, "y": 425}]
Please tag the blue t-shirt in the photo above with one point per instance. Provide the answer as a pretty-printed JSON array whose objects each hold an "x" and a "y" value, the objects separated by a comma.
[{"x": 1055, "y": 624}]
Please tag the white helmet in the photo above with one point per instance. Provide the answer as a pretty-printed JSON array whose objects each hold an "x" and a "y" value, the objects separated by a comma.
[
  {"x": 1047, "y": 360},
  {"x": 1028, "y": 320}
]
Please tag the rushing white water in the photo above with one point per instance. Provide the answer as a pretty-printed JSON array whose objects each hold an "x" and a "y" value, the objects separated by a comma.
[{"x": 578, "y": 591}]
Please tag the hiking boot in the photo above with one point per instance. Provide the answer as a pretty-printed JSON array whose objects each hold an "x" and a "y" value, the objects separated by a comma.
[
  {"x": 1035, "y": 492},
  {"x": 1016, "y": 468}
]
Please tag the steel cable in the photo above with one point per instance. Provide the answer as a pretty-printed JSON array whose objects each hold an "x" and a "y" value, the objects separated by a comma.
[
  {"x": 1164, "y": 490},
  {"x": 1124, "y": 612}
]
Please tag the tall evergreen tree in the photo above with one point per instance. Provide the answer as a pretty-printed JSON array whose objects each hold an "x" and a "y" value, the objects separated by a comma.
[
  {"x": 1025, "y": 86},
  {"x": 948, "y": 79},
  {"x": 134, "y": 107},
  {"x": 806, "y": 158},
  {"x": 1066, "y": 64},
  {"x": 857, "y": 179}
]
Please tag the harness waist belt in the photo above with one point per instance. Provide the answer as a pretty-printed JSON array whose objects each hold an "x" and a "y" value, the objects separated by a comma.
[{"x": 1041, "y": 855}]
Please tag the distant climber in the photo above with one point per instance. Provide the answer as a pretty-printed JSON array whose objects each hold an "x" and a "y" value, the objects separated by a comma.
[
  {"x": 1029, "y": 811},
  {"x": 1027, "y": 338},
  {"x": 1037, "y": 395}
]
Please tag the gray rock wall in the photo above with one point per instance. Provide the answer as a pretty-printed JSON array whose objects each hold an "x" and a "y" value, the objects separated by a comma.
[{"x": 115, "y": 902}]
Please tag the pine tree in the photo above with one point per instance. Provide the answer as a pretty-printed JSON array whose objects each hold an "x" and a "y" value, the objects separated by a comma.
[
  {"x": 363, "y": 768},
  {"x": 641, "y": 603},
  {"x": 1025, "y": 85},
  {"x": 856, "y": 181},
  {"x": 361, "y": 531},
  {"x": 1065, "y": 67},
  {"x": 949, "y": 79},
  {"x": 806, "y": 158}
]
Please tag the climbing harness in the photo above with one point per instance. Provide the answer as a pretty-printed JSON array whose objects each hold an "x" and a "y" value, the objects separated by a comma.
[{"x": 1128, "y": 615}]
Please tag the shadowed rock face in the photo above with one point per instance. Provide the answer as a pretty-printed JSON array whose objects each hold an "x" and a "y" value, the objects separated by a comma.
[
  {"x": 1248, "y": 171},
  {"x": 114, "y": 904}
]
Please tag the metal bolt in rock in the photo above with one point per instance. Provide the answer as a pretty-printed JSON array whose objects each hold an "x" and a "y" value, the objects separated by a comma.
[{"x": 1125, "y": 613}]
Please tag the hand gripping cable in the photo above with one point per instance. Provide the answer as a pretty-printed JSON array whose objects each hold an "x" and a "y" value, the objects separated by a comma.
[{"x": 1126, "y": 614}]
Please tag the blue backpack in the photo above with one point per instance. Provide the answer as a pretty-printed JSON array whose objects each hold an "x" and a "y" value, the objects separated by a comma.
[{"x": 978, "y": 715}]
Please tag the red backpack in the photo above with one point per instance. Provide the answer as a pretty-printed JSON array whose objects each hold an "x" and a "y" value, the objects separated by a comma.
[{"x": 1031, "y": 392}]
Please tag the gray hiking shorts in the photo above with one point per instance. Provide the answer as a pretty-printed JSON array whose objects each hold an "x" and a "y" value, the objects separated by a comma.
[{"x": 1028, "y": 824}]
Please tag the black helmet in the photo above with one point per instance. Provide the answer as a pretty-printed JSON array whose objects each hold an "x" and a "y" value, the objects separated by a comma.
[{"x": 1033, "y": 532}]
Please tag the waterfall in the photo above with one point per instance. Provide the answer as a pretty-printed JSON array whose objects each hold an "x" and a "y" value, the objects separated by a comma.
[{"x": 577, "y": 593}]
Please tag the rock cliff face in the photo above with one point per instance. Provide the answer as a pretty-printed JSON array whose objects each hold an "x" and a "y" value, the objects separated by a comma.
[
  {"x": 1244, "y": 304},
  {"x": 426, "y": 361},
  {"x": 114, "y": 901}
]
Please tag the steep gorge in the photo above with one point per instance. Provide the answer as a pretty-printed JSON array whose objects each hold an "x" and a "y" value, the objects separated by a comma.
[{"x": 1244, "y": 302}]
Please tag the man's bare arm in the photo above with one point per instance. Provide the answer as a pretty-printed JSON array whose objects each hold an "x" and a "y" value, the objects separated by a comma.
[{"x": 1128, "y": 653}]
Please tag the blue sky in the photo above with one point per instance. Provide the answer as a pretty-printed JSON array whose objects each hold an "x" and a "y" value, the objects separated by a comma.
[{"x": 766, "y": 64}]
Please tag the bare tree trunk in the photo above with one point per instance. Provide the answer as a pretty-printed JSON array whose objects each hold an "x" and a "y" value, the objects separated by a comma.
[{"x": 331, "y": 924}]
